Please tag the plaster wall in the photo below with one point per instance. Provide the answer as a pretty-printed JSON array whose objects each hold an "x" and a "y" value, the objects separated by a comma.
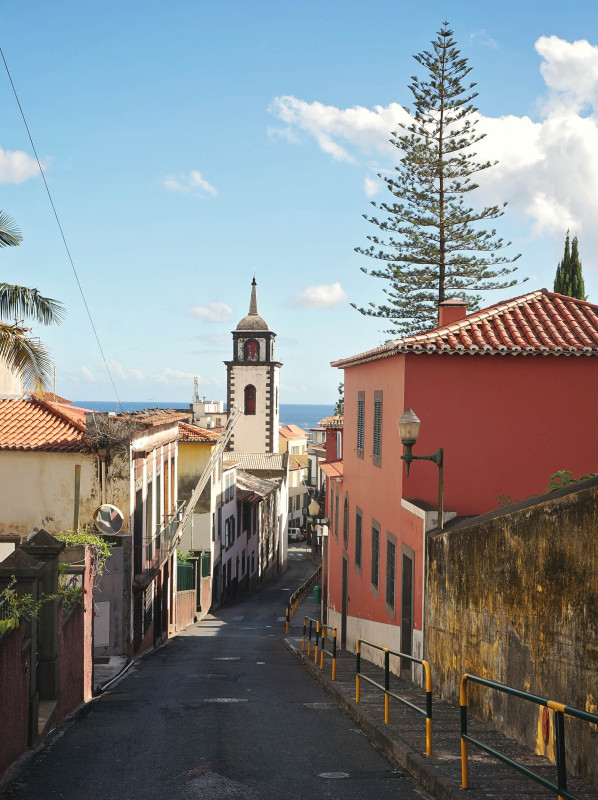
[
  {"x": 37, "y": 490},
  {"x": 10, "y": 384},
  {"x": 256, "y": 433},
  {"x": 513, "y": 599}
]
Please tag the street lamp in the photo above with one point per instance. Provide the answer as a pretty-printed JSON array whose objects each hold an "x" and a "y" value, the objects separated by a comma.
[
  {"x": 409, "y": 424},
  {"x": 313, "y": 510}
]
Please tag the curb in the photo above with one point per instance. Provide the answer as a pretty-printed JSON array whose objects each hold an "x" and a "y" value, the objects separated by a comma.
[{"x": 417, "y": 765}]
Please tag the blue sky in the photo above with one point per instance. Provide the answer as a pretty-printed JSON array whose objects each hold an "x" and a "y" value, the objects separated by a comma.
[{"x": 187, "y": 144}]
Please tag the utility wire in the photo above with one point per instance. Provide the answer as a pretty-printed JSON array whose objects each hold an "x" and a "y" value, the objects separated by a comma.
[{"x": 61, "y": 231}]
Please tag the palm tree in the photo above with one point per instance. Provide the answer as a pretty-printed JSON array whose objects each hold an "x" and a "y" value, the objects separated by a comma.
[{"x": 24, "y": 354}]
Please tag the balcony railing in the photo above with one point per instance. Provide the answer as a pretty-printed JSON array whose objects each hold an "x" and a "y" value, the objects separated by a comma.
[{"x": 149, "y": 556}]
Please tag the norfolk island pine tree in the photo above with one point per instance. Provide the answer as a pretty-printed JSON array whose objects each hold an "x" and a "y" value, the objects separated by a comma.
[{"x": 432, "y": 250}]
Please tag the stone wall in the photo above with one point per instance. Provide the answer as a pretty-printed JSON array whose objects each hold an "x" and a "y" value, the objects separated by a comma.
[{"x": 512, "y": 597}]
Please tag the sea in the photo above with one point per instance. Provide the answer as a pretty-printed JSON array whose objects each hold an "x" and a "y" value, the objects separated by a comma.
[{"x": 305, "y": 415}]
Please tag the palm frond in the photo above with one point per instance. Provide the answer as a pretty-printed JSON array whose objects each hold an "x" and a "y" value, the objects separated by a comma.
[
  {"x": 10, "y": 235},
  {"x": 26, "y": 356},
  {"x": 19, "y": 302}
]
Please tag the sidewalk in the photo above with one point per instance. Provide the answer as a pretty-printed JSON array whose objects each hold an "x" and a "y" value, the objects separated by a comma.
[
  {"x": 105, "y": 668},
  {"x": 403, "y": 739}
]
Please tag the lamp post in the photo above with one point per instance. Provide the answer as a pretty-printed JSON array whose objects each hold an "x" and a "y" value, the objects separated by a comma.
[
  {"x": 409, "y": 424},
  {"x": 313, "y": 510}
]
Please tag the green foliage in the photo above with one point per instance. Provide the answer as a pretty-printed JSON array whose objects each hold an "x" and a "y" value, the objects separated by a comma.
[
  {"x": 569, "y": 278},
  {"x": 182, "y": 558},
  {"x": 430, "y": 244},
  {"x": 339, "y": 408},
  {"x": 18, "y": 607},
  {"x": 23, "y": 353},
  {"x": 564, "y": 477},
  {"x": 100, "y": 549},
  {"x": 505, "y": 500}
]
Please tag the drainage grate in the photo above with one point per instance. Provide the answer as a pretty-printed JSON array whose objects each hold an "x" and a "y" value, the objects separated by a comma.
[
  {"x": 320, "y": 706},
  {"x": 333, "y": 775}
]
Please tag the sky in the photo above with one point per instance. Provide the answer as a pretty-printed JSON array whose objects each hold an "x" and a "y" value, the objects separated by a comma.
[{"x": 187, "y": 144}]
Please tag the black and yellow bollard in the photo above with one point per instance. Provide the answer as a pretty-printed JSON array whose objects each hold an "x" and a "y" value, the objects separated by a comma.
[
  {"x": 357, "y": 670},
  {"x": 334, "y": 655}
]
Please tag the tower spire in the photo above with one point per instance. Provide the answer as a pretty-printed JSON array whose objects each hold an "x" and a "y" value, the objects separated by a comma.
[{"x": 253, "y": 302}]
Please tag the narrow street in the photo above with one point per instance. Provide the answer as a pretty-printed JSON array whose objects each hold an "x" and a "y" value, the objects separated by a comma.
[{"x": 224, "y": 710}]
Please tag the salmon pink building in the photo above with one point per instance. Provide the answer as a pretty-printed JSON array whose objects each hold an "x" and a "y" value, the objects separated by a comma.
[{"x": 509, "y": 394}]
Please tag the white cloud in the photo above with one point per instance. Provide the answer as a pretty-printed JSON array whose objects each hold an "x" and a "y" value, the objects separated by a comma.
[
  {"x": 548, "y": 166},
  {"x": 371, "y": 186},
  {"x": 16, "y": 166},
  {"x": 166, "y": 376},
  {"x": 213, "y": 312},
  {"x": 322, "y": 296},
  {"x": 88, "y": 374},
  {"x": 193, "y": 182},
  {"x": 364, "y": 129},
  {"x": 482, "y": 37}
]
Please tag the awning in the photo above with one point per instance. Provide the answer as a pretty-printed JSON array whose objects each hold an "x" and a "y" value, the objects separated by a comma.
[{"x": 333, "y": 469}]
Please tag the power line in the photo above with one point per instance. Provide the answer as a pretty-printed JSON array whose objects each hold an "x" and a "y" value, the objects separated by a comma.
[{"x": 61, "y": 231}]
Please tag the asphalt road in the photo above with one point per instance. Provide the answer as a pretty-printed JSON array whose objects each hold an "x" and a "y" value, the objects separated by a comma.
[{"x": 224, "y": 710}]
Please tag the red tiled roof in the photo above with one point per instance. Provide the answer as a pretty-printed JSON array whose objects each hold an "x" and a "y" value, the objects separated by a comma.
[
  {"x": 335, "y": 421},
  {"x": 193, "y": 433},
  {"x": 540, "y": 323},
  {"x": 291, "y": 432},
  {"x": 333, "y": 469},
  {"x": 52, "y": 397},
  {"x": 29, "y": 424}
]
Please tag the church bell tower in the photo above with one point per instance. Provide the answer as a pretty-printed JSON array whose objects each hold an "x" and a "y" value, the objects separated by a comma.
[{"x": 253, "y": 383}]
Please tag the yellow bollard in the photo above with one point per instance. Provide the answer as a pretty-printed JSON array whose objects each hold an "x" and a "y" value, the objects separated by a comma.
[
  {"x": 316, "y": 650},
  {"x": 334, "y": 655},
  {"x": 322, "y": 651},
  {"x": 463, "y": 704}
]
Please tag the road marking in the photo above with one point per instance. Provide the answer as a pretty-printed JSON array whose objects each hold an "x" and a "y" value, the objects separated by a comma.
[
  {"x": 226, "y": 700},
  {"x": 228, "y": 658},
  {"x": 333, "y": 775}
]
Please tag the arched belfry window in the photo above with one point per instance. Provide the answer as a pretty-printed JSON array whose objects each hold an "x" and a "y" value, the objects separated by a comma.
[
  {"x": 251, "y": 350},
  {"x": 250, "y": 399}
]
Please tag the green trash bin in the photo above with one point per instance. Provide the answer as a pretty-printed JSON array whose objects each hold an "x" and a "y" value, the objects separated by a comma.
[{"x": 317, "y": 594}]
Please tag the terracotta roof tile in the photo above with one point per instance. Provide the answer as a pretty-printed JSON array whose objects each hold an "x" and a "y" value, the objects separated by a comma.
[
  {"x": 335, "y": 421},
  {"x": 29, "y": 424},
  {"x": 333, "y": 469},
  {"x": 538, "y": 324},
  {"x": 193, "y": 433}
]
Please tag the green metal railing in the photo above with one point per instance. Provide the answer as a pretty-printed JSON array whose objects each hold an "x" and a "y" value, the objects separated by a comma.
[
  {"x": 559, "y": 709},
  {"x": 359, "y": 675},
  {"x": 299, "y": 595}
]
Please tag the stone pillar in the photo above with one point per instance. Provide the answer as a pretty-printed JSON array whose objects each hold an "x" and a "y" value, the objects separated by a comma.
[
  {"x": 45, "y": 548},
  {"x": 27, "y": 572}
]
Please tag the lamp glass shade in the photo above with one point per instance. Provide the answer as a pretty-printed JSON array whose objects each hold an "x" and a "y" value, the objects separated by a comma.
[
  {"x": 313, "y": 509},
  {"x": 408, "y": 426}
]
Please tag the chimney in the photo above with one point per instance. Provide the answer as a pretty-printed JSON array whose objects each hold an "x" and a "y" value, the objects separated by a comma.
[{"x": 450, "y": 311}]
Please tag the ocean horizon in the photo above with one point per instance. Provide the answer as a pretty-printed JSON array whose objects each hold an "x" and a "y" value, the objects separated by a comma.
[{"x": 305, "y": 415}]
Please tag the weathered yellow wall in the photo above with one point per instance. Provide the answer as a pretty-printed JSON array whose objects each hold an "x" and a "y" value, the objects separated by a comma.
[
  {"x": 193, "y": 457},
  {"x": 515, "y": 599},
  {"x": 37, "y": 490}
]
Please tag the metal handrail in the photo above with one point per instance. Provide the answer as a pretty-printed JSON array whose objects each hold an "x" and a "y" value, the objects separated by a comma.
[
  {"x": 331, "y": 653},
  {"x": 299, "y": 595},
  {"x": 559, "y": 709},
  {"x": 427, "y": 712}
]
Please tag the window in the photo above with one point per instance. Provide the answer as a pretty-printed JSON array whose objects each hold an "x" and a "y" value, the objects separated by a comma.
[
  {"x": 339, "y": 444},
  {"x": 391, "y": 572},
  {"x": 251, "y": 350},
  {"x": 360, "y": 417},
  {"x": 346, "y": 522},
  {"x": 336, "y": 516},
  {"x": 358, "y": 518},
  {"x": 377, "y": 443},
  {"x": 250, "y": 399},
  {"x": 375, "y": 554}
]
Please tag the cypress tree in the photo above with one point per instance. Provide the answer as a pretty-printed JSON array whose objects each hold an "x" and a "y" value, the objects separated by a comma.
[
  {"x": 569, "y": 278},
  {"x": 430, "y": 244}
]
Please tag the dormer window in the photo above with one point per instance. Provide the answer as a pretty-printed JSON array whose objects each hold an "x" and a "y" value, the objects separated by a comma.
[{"x": 251, "y": 350}]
